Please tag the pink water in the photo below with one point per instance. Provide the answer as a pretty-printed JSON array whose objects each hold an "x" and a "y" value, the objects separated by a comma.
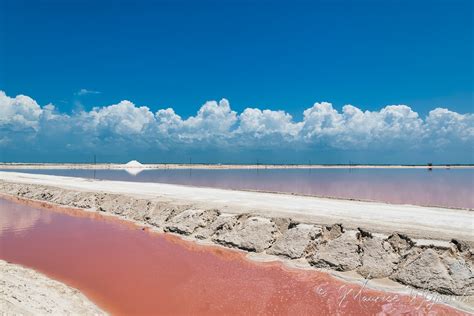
[
  {"x": 439, "y": 187},
  {"x": 126, "y": 270}
]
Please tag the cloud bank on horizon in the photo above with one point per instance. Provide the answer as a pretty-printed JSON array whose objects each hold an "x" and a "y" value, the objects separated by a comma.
[{"x": 30, "y": 132}]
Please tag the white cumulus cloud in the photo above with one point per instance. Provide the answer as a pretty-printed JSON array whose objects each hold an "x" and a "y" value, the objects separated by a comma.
[
  {"x": 258, "y": 123},
  {"x": 123, "y": 119},
  {"x": 19, "y": 113},
  {"x": 216, "y": 124}
]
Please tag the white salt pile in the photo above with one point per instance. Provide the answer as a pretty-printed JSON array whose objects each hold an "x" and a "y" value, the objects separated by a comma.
[
  {"x": 133, "y": 167},
  {"x": 133, "y": 164}
]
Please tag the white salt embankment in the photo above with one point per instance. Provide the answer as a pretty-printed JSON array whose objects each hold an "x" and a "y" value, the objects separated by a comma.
[
  {"x": 425, "y": 248},
  {"x": 107, "y": 166}
]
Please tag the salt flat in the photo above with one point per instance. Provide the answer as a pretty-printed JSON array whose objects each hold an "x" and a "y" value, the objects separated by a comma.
[
  {"x": 416, "y": 221},
  {"x": 152, "y": 166}
]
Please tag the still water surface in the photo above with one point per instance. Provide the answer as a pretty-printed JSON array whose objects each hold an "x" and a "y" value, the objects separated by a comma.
[
  {"x": 439, "y": 187},
  {"x": 128, "y": 271}
]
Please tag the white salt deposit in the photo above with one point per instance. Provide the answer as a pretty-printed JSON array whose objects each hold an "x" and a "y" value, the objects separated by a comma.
[
  {"x": 133, "y": 164},
  {"x": 419, "y": 221}
]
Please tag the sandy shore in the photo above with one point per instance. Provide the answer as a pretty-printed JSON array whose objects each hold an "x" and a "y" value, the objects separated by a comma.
[
  {"x": 26, "y": 292},
  {"x": 416, "y": 221},
  {"x": 219, "y": 166}
]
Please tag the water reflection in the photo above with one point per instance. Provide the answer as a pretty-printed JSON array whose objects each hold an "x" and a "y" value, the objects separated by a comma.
[
  {"x": 134, "y": 171},
  {"x": 18, "y": 222},
  {"x": 128, "y": 271},
  {"x": 439, "y": 187}
]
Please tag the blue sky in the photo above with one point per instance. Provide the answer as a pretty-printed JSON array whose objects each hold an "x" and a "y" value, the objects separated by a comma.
[{"x": 257, "y": 54}]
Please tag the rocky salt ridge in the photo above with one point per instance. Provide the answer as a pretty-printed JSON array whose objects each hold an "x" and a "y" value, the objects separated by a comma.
[
  {"x": 445, "y": 268},
  {"x": 26, "y": 292}
]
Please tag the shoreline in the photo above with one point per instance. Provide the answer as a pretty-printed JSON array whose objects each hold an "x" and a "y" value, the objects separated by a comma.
[
  {"x": 323, "y": 196},
  {"x": 387, "y": 286},
  {"x": 417, "y": 222},
  {"x": 425, "y": 258},
  {"x": 159, "y": 166},
  {"x": 25, "y": 291}
]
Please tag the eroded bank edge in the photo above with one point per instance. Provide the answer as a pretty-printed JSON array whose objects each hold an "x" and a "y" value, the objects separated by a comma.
[{"x": 445, "y": 269}]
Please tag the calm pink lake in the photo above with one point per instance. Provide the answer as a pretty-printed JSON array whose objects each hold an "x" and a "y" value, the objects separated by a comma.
[{"x": 126, "y": 270}]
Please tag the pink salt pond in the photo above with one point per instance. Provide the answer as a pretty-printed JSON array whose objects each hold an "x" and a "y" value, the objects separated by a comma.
[{"x": 126, "y": 270}]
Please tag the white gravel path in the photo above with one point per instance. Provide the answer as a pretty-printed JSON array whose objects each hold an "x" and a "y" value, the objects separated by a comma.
[{"x": 417, "y": 221}]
